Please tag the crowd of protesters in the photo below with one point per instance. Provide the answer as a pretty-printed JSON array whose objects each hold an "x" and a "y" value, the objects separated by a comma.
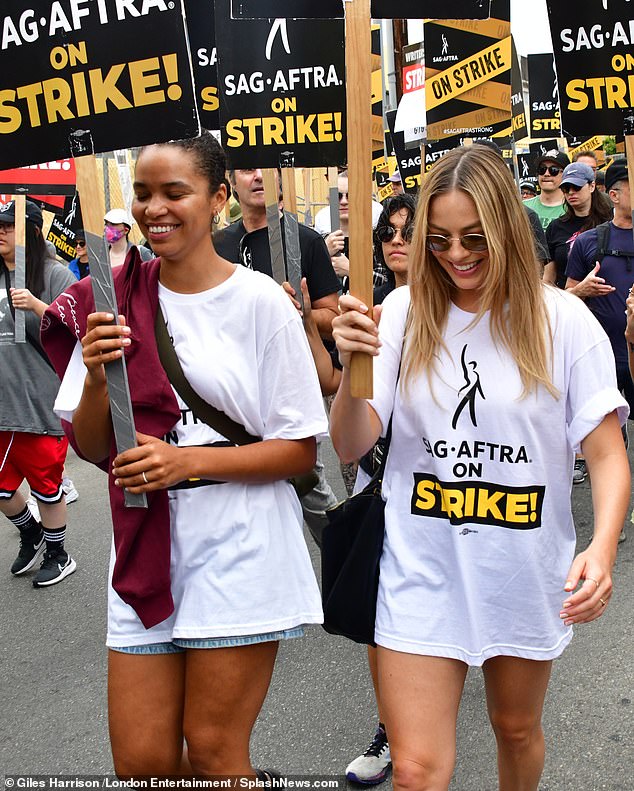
[{"x": 469, "y": 292}]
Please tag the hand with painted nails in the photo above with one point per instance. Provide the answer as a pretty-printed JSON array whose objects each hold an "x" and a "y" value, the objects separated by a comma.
[{"x": 356, "y": 329}]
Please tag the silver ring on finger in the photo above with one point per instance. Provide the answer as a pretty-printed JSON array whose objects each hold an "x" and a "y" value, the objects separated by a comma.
[{"x": 144, "y": 476}]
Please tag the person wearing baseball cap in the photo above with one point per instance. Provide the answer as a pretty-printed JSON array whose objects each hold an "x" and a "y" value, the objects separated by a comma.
[
  {"x": 549, "y": 204},
  {"x": 396, "y": 182},
  {"x": 117, "y": 226},
  {"x": 527, "y": 190},
  {"x": 32, "y": 442}
]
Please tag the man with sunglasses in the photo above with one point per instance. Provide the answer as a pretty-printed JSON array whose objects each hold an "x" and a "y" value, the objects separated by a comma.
[
  {"x": 549, "y": 204},
  {"x": 79, "y": 265}
]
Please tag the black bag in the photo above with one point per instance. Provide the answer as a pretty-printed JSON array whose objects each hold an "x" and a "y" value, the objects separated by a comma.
[{"x": 352, "y": 544}]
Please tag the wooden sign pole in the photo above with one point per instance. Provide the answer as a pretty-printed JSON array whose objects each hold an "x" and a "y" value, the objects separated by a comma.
[
  {"x": 308, "y": 206},
  {"x": 19, "y": 208},
  {"x": 629, "y": 152},
  {"x": 333, "y": 199},
  {"x": 358, "y": 80},
  {"x": 105, "y": 300}
]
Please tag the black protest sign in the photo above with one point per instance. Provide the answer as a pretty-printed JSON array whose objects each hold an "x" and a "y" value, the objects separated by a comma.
[
  {"x": 526, "y": 170},
  {"x": 430, "y": 9},
  {"x": 283, "y": 97},
  {"x": 63, "y": 230},
  {"x": 468, "y": 73},
  {"x": 79, "y": 77},
  {"x": 518, "y": 108},
  {"x": 408, "y": 161},
  {"x": 202, "y": 41},
  {"x": 593, "y": 56},
  {"x": 538, "y": 150},
  {"x": 294, "y": 9},
  {"x": 543, "y": 96}
]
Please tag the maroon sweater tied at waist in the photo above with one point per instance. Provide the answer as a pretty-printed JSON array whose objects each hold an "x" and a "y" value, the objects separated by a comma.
[{"x": 141, "y": 574}]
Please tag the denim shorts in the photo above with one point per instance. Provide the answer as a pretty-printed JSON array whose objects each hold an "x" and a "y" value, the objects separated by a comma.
[{"x": 179, "y": 644}]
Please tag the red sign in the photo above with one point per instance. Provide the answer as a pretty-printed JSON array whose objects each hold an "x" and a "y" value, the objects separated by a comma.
[{"x": 49, "y": 178}]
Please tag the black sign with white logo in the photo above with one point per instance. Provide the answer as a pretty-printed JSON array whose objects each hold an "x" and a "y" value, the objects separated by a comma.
[
  {"x": 283, "y": 97},
  {"x": 77, "y": 77},
  {"x": 543, "y": 96},
  {"x": 202, "y": 41},
  {"x": 409, "y": 161},
  {"x": 593, "y": 55}
]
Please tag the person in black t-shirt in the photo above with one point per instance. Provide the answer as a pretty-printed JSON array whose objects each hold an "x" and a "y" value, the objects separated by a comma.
[{"x": 247, "y": 242}]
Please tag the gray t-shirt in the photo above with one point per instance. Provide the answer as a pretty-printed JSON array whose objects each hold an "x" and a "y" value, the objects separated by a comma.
[{"x": 28, "y": 385}]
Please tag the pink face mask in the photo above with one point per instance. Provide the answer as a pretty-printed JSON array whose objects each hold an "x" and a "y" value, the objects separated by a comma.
[{"x": 113, "y": 235}]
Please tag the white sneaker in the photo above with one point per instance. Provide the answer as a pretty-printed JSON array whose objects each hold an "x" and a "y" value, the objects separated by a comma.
[
  {"x": 70, "y": 493},
  {"x": 374, "y": 765},
  {"x": 34, "y": 508}
]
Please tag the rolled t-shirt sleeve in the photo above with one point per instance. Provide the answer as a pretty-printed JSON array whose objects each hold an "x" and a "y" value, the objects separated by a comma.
[{"x": 387, "y": 364}]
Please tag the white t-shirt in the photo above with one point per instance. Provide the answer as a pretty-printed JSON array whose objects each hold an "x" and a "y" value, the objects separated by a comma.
[
  {"x": 479, "y": 531},
  {"x": 239, "y": 562},
  {"x": 322, "y": 219}
]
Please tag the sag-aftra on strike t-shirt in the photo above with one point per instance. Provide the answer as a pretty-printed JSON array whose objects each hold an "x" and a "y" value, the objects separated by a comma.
[{"x": 479, "y": 534}]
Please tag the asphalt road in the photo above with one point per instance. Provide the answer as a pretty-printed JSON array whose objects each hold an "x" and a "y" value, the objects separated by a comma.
[{"x": 319, "y": 713}]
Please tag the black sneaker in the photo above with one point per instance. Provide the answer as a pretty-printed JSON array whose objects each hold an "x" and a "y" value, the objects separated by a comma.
[
  {"x": 56, "y": 565},
  {"x": 30, "y": 549},
  {"x": 580, "y": 473}
]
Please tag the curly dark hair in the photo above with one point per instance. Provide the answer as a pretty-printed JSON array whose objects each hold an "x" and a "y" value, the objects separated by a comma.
[
  {"x": 390, "y": 207},
  {"x": 209, "y": 155}
]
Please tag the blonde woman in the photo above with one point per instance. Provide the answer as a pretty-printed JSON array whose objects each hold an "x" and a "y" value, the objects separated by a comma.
[{"x": 502, "y": 379}]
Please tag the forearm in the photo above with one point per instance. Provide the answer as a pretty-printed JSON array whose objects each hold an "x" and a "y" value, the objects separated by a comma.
[
  {"x": 354, "y": 425},
  {"x": 329, "y": 376},
  {"x": 323, "y": 319},
  {"x": 92, "y": 424},
  {"x": 39, "y": 307},
  {"x": 610, "y": 475},
  {"x": 260, "y": 462}
]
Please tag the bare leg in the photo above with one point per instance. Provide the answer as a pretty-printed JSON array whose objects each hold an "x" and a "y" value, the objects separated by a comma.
[
  {"x": 516, "y": 689},
  {"x": 145, "y": 713},
  {"x": 53, "y": 514},
  {"x": 14, "y": 505},
  {"x": 420, "y": 697},
  {"x": 225, "y": 690}
]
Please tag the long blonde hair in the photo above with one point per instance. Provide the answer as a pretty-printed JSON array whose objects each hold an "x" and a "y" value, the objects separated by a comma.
[{"x": 513, "y": 291}]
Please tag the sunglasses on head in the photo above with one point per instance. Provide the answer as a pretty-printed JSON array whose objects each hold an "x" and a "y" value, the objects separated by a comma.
[
  {"x": 385, "y": 233},
  {"x": 476, "y": 242},
  {"x": 552, "y": 170}
]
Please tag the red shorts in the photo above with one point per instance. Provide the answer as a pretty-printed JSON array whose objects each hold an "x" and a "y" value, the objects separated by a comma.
[{"x": 37, "y": 457}]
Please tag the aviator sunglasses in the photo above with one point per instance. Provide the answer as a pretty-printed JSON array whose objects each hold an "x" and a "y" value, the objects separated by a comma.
[
  {"x": 475, "y": 242},
  {"x": 385, "y": 233},
  {"x": 552, "y": 170}
]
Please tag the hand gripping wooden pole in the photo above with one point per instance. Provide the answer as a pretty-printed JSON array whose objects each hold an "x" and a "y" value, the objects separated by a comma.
[{"x": 358, "y": 81}]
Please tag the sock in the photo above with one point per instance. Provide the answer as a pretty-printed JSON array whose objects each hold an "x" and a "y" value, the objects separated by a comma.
[
  {"x": 25, "y": 521},
  {"x": 382, "y": 727},
  {"x": 54, "y": 539}
]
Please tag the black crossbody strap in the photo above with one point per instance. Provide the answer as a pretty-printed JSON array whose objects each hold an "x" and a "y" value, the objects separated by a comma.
[{"x": 213, "y": 417}]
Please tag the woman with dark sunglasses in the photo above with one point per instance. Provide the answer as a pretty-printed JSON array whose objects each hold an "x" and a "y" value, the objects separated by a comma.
[
  {"x": 492, "y": 380},
  {"x": 584, "y": 209}
]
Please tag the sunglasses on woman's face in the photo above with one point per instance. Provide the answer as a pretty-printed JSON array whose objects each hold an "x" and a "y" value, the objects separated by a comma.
[
  {"x": 475, "y": 242},
  {"x": 387, "y": 232},
  {"x": 552, "y": 170},
  {"x": 566, "y": 188}
]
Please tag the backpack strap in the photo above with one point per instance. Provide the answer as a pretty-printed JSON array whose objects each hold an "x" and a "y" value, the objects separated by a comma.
[{"x": 603, "y": 239}]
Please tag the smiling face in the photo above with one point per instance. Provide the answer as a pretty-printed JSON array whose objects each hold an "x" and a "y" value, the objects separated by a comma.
[
  {"x": 172, "y": 204},
  {"x": 454, "y": 214},
  {"x": 396, "y": 251}
]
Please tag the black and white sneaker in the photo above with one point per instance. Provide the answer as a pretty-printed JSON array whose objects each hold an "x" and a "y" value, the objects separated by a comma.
[
  {"x": 31, "y": 546},
  {"x": 56, "y": 565},
  {"x": 373, "y": 766}
]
